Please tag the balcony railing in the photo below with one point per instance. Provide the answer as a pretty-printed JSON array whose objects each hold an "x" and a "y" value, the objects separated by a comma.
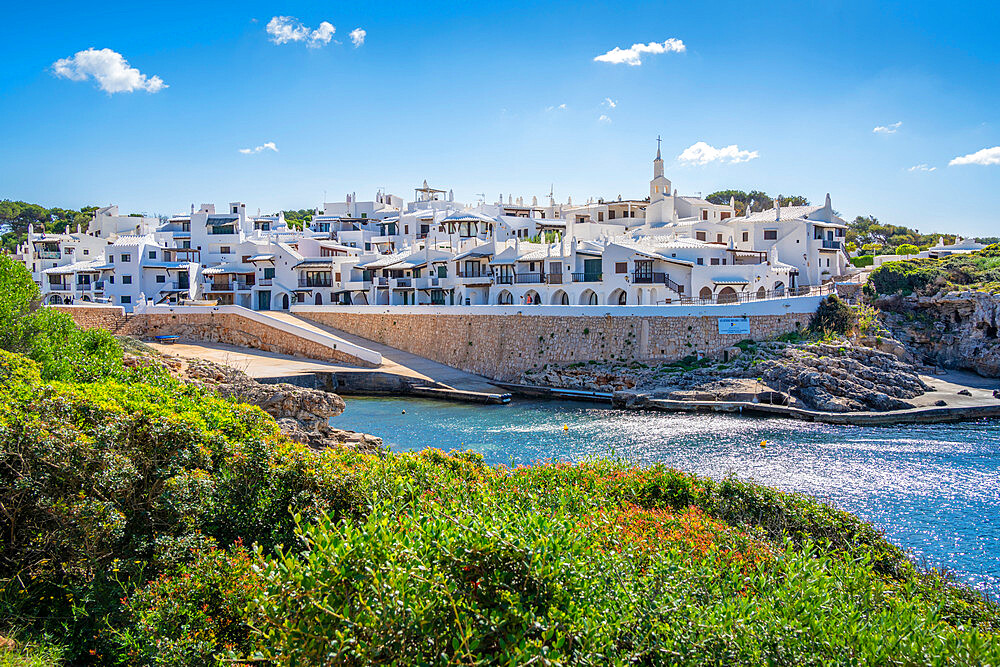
[
  {"x": 505, "y": 279},
  {"x": 587, "y": 277},
  {"x": 60, "y": 287},
  {"x": 529, "y": 278},
  {"x": 404, "y": 282},
  {"x": 656, "y": 278},
  {"x": 49, "y": 254},
  {"x": 315, "y": 282},
  {"x": 554, "y": 279},
  {"x": 265, "y": 282},
  {"x": 831, "y": 245}
]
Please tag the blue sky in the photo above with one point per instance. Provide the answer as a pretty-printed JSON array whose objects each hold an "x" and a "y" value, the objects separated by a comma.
[{"x": 506, "y": 97}]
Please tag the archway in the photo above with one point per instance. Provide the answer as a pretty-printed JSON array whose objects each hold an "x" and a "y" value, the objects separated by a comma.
[
  {"x": 284, "y": 302},
  {"x": 55, "y": 299},
  {"x": 588, "y": 298},
  {"x": 728, "y": 295},
  {"x": 779, "y": 288},
  {"x": 652, "y": 297},
  {"x": 560, "y": 298},
  {"x": 618, "y": 296},
  {"x": 705, "y": 294},
  {"x": 319, "y": 299},
  {"x": 761, "y": 293},
  {"x": 638, "y": 297},
  {"x": 505, "y": 298},
  {"x": 532, "y": 298}
]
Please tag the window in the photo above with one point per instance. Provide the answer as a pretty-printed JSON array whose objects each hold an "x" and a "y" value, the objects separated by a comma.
[
  {"x": 600, "y": 216},
  {"x": 770, "y": 234},
  {"x": 111, "y": 259},
  {"x": 126, "y": 280},
  {"x": 111, "y": 279},
  {"x": 152, "y": 254},
  {"x": 126, "y": 258},
  {"x": 69, "y": 251},
  {"x": 718, "y": 238},
  {"x": 269, "y": 272},
  {"x": 368, "y": 246},
  {"x": 621, "y": 267},
  {"x": 126, "y": 299},
  {"x": 186, "y": 244},
  {"x": 704, "y": 214},
  {"x": 246, "y": 259},
  {"x": 701, "y": 261},
  {"x": 224, "y": 250},
  {"x": 406, "y": 229},
  {"x": 746, "y": 236},
  {"x": 86, "y": 252},
  {"x": 700, "y": 236},
  {"x": 161, "y": 279},
  {"x": 715, "y": 261},
  {"x": 336, "y": 277},
  {"x": 611, "y": 215}
]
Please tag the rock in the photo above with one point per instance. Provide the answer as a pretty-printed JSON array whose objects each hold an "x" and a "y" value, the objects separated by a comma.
[
  {"x": 996, "y": 393},
  {"x": 940, "y": 403},
  {"x": 964, "y": 392},
  {"x": 629, "y": 399},
  {"x": 685, "y": 395},
  {"x": 7, "y": 644}
]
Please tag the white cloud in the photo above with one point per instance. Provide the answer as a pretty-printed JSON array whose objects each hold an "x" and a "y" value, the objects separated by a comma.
[
  {"x": 888, "y": 129},
  {"x": 987, "y": 156},
  {"x": 561, "y": 107},
  {"x": 633, "y": 54},
  {"x": 922, "y": 167},
  {"x": 702, "y": 153},
  {"x": 610, "y": 103},
  {"x": 109, "y": 69},
  {"x": 357, "y": 37},
  {"x": 284, "y": 29},
  {"x": 268, "y": 146},
  {"x": 604, "y": 119}
]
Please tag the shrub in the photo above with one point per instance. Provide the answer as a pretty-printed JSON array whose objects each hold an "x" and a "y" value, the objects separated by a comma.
[
  {"x": 907, "y": 249},
  {"x": 833, "y": 316},
  {"x": 195, "y": 614},
  {"x": 862, "y": 261},
  {"x": 924, "y": 276}
]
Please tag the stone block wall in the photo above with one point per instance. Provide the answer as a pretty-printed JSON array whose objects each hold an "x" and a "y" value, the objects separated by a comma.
[
  {"x": 112, "y": 318},
  {"x": 502, "y": 347}
]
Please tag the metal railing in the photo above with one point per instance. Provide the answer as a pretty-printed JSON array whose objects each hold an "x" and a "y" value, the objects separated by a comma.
[
  {"x": 54, "y": 287},
  {"x": 554, "y": 279},
  {"x": 532, "y": 278},
  {"x": 49, "y": 254},
  {"x": 831, "y": 245},
  {"x": 505, "y": 279},
  {"x": 317, "y": 282},
  {"x": 587, "y": 277},
  {"x": 758, "y": 295},
  {"x": 404, "y": 282}
]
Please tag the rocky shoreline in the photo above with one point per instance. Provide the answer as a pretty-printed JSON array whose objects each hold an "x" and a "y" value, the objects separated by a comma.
[{"x": 303, "y": 414}]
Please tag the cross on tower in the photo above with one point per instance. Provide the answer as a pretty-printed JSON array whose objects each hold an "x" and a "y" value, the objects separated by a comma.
[{"x": 657, "y": 143}]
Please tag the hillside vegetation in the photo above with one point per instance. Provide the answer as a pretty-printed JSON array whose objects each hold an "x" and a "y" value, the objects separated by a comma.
[
  {"x": 149, "y": 522},
  {"x": 979, "y": 271}
]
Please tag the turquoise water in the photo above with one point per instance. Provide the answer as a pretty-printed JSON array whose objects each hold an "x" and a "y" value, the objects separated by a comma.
[{"x": 934, "y": 490}]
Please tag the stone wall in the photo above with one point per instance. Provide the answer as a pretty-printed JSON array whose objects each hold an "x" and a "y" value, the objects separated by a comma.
[
  {"x": 215, "y": 327},
  {"x": 502, "y": 347}
]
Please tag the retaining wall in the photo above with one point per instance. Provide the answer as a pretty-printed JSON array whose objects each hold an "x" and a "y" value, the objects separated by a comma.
[
  {"x": 502, "y": 345},
  {"x": 231, "y": 325}
]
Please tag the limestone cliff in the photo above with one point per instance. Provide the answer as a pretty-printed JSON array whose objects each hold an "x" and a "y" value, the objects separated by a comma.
[{"x": 953, "y": 330}]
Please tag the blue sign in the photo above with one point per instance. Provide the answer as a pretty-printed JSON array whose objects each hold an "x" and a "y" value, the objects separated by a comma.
[{"x": 734, "y": 325}]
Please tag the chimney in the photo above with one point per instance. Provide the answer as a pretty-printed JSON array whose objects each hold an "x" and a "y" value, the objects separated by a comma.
[{"x": 777, "y": 209}]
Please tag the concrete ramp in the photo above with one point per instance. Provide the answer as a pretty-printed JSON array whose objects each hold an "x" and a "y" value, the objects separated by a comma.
[{"x": 427, "y": 377}]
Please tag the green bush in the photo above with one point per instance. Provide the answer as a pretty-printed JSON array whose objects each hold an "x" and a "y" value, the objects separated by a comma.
[
  {"x": 833, "y": 316},
  {"x": 862, "y": 261},
  {"x": 925, "y": 276},
  {"x": 907, "y": 249}
]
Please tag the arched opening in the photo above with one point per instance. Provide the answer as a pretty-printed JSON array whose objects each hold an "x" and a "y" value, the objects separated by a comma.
[
  {"x": 652, "y": 297},
  {"x": 588, "y": 298},
  {"x": 284, "y": 302},
  {"x": 319, "y": 299},
  {"x": 761, "y": 293},
  {"x": 705, "y": 294},
  {"x": 86, "y": 298},
  {"x": 779, "y": 288},
  {"x": 560, "y": 298},
  {"x": 618, "y": 296},
  {"x": 638, "y": 297},
  {"x": 532, "y": 298},
  {"x": 728, "y": 295},
  {"x": 505, "y": 298},
  {"x": 55, "y": 299}
]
